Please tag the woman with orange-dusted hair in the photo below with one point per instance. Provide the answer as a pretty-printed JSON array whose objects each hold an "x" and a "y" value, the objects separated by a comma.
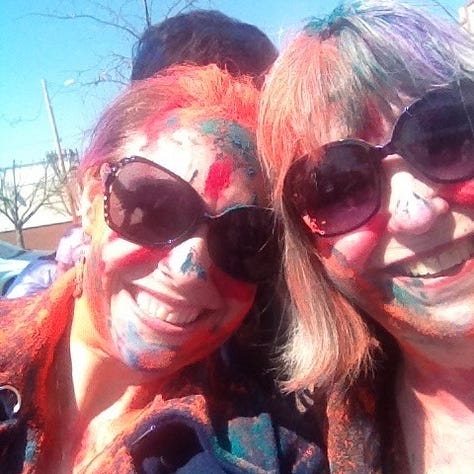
[
  {"x": 367, "y": 132},
  {"x": 121, "y": 366}
]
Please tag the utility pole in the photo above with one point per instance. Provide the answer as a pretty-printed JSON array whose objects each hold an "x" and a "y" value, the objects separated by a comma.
[
  {"x": 59, "y": 151},
  {"x": 52, "y": 122}
]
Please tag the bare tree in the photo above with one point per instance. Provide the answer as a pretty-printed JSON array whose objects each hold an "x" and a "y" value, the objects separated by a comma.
[
  {"x": 115, "y": 67},
  {"x": 64, "y": 188},
  {"x": 23, "y": 193}
]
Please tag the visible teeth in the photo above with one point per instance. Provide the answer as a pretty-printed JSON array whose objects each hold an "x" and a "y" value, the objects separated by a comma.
[
  {"x": 157, "y": 309},
  {"x": 182, "y": 317},
  {"x": 440, "y": 263}
]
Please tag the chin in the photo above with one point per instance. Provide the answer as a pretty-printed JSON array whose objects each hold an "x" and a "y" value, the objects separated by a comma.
[{"x": 160, "y": 362}]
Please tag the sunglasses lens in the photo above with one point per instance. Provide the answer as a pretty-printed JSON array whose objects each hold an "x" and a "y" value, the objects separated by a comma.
[
  {"x": 149, "y": 206},
  {"x": 244, "y": 243},
  {"x": 436, "y": 134},
  {"x": 337, "y": 193}
]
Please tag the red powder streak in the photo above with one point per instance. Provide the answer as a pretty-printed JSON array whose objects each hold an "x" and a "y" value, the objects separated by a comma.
[
  {"x": 229, "y": 287},
  {"x": 218, "y": 178},
  {"x": 458, "y": 193},
  {"x": 144, "y": 255},
  {"x": 377, "y": 224}
]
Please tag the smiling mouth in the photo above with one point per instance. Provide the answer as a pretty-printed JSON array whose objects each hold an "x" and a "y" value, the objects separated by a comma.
[
  {"x": 172, "y": 313},
  {"x": 444, "y": 263}
]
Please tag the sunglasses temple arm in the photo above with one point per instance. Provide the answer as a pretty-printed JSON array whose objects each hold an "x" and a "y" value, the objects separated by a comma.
[{"x": 384, "y": 150}]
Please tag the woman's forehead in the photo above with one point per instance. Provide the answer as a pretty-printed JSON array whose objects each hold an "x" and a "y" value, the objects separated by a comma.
[
  {"x": 192, "y": 151},
  {"x": 374, "y": 124}
]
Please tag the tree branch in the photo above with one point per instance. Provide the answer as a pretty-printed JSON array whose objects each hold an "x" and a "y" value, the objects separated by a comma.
[{"x": 79, "y": 16}]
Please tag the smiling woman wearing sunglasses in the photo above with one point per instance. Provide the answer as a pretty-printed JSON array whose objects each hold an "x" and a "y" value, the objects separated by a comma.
[
  {"x": 115, "y": 368},
  {"x": 367, "y": 131}
]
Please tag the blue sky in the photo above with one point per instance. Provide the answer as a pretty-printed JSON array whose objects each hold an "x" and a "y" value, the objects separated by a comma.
[{"x": 68, "y": 52}]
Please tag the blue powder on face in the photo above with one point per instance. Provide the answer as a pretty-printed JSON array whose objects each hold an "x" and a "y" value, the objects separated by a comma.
[
  {"x": 407, "y": 300},
  {"x": 233, "y": 140},
  {"x": 173, "y": 122},
  {"x": 189, "y": 266},
  {"x": 132, "y": 346}
]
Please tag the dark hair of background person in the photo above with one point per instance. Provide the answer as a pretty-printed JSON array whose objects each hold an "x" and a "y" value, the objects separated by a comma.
[{"x": 203, "y": 37}]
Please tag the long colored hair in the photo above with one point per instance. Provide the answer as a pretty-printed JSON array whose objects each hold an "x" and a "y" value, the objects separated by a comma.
[{"x": 342, "y": 76}]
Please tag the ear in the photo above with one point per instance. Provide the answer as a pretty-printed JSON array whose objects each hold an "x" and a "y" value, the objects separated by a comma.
[{"x": 91, "y": 201}]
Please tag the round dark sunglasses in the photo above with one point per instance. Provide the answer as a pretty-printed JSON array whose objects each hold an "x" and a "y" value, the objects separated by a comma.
[
  {"x": 151, "y": 206},
  {"x": 341, "y": 188}
]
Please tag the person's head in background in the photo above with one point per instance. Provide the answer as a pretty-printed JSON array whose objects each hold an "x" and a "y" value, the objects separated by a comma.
[{"x": 203, "y": 37}]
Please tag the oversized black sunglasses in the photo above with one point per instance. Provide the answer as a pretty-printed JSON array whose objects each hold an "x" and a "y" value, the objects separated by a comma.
[
  {"x": 149, "y": 205},
  {"x": 340, "y": 189}
]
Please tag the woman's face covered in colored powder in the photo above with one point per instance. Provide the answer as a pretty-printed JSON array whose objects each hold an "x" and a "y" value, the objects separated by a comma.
[
  {"x": 163, "y": 308},
  {"x": 411, "y": 264}
]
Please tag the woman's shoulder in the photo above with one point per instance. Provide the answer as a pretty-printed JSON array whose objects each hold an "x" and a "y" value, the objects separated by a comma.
[
  {"x": 31, "y": 326},
  {"x": 55, "y": 302}
]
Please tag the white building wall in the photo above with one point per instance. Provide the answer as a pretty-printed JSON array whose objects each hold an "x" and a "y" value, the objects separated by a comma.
[{"x": 26, "y": 177}]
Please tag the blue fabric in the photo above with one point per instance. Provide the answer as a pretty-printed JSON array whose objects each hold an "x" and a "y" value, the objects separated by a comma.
[
  {"x": 36, "y": 276},
  {"x": 201, "y": 463}
]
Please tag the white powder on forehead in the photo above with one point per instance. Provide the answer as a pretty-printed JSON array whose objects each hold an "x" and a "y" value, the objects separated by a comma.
[{"x": 180, "y": 151}]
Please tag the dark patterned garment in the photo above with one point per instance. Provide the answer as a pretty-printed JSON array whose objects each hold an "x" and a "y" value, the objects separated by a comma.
[{"x": 212, "y": 418}]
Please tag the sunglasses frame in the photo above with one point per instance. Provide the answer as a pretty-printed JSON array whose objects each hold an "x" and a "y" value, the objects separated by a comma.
[
  {"x": 377, "y": 153},
  {"x": 110, "y": 172}
]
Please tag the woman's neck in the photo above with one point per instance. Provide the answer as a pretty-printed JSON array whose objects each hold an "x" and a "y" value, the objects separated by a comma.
[
  {"x": 436, "y": 407},
  {"x": 103, "y": 398},
  {"x": 99, "y": 379}
]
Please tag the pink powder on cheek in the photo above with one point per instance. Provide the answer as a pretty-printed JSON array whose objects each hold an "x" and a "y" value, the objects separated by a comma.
[
  {"x": 134, "y": 254},
  {"x": 458, "y": 193},
  {"x": 346, "y": 254},
  {"x": 229, "y": 287},
  {"x": 218, "y": 178},
  {"x": 148, "y": 360},
  {"x": 377, "y": 225},
  {"x": 142, "y": 255}
]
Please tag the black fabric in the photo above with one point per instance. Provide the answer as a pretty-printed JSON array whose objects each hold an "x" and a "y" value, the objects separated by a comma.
[
  {"x": 12, "y": 446},
  {"x": 164, "y": 449}
]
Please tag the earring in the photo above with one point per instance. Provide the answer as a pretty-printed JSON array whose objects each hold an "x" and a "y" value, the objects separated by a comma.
[{"x": 78, "y": 278}]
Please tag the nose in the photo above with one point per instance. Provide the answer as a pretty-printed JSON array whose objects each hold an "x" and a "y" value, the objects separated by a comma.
[
  {"x": 187, "y": 265},
  {"x": 414, "y": 206}
]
